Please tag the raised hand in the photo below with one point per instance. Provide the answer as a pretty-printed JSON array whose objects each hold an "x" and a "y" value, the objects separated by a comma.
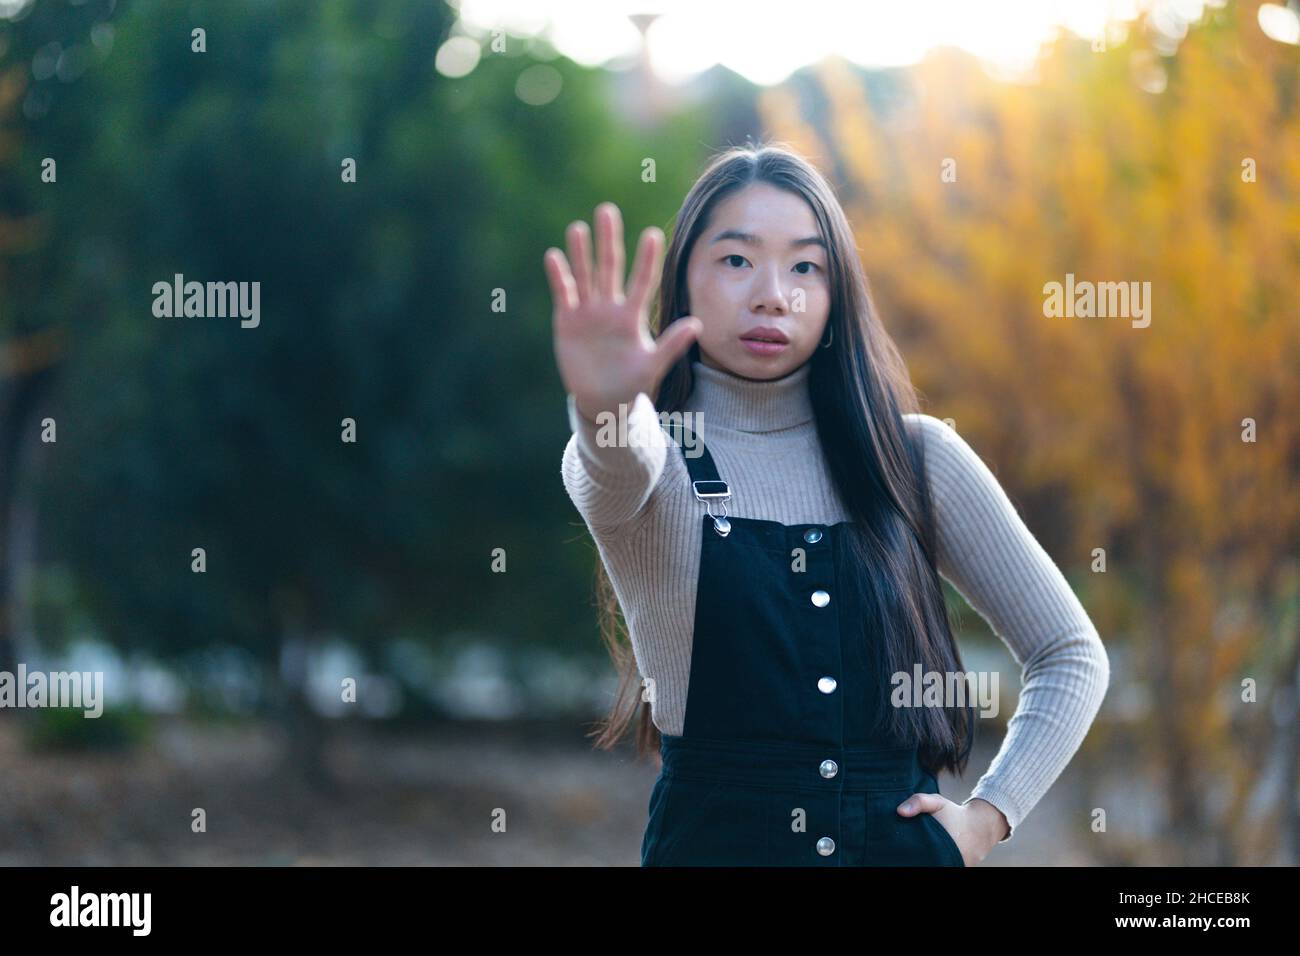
[{"x": 603, "y": 346}]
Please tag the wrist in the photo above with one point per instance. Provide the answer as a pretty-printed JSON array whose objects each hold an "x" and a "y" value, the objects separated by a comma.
[
  {"x": 992, "y": 821},
  {"x": 578, "y": 409},
  {"x": 593, "y": 410}
]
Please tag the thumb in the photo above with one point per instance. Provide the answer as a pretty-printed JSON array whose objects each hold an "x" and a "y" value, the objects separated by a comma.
[
  {"x": 677, "y": 338},
  {"x": 920, "y": 803}
]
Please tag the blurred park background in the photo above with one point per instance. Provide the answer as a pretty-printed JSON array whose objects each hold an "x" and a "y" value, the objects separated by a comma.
[{"x": 1146, "y": 141}]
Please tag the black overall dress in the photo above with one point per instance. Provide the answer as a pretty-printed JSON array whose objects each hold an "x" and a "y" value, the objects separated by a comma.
[{"x": 781, "y": 761}]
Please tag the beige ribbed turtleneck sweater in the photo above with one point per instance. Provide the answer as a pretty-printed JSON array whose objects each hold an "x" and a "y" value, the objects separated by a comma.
[{"x": 636, "y": 500}]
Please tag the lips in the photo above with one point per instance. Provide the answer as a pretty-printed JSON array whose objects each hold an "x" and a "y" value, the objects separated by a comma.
[{"x": 766, "y": 334}]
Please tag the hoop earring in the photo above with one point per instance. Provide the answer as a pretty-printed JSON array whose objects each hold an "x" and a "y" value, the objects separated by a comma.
[{"x": 827, "y": 343}]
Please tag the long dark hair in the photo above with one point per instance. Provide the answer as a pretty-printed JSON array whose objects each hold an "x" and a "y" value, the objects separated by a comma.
[{"x": 859, "y": 389}]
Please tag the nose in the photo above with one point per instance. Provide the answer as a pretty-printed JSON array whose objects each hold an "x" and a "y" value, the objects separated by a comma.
[{"x": 767, "y": 294}]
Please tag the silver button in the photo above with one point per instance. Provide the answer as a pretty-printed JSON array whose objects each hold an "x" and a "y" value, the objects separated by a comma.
[
  {"x": 826, "y": 685},
  {"x": 812, "y": 535},
  {"x": 829, "y": 768},
  {"x": 821, "y": 598},
  {"x": 825, "y": 846}
]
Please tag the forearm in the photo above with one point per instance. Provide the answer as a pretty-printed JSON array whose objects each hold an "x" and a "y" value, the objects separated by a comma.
[
  {"x": 1062, "y": 693},
  {"x": 991, "y": 558},
  {"x": 613, "y": 461}
]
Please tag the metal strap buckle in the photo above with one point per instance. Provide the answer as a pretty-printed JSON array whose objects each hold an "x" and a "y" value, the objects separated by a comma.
[
  {"x": 718, "y": 491},
  {"x": 715, "y": 495}
]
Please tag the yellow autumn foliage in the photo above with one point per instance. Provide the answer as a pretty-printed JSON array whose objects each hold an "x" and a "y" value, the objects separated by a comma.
[{"x": 1120, "y": 165}]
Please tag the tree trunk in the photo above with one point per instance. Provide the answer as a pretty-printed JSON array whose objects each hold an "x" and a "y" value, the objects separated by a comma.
[
  {"x": 24, "y": 403},
  {"x": 305, "y": 758},
  {"x": 1287, "y": 717}
]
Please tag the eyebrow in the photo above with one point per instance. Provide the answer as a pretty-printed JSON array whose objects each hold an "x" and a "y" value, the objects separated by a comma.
[{"x": 750, "y": 239}]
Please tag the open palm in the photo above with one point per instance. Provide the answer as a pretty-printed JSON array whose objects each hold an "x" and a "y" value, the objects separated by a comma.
[{"x": 603, "y": 346}]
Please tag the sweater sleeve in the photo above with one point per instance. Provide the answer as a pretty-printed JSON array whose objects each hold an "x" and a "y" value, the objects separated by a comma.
[
  {"x": 611, "y": 467},
  {"x": 994, "y": 561}
]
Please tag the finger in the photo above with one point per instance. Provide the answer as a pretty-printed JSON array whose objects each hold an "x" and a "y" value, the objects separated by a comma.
[
  {"x": 610, "y": 255},
  {"x": 677, "y": 338},
  {"x": 646, "y": 269},
  {"x": 920, "y": 803},
  {"x": 579, "y": 237},
  {"x": 563, "y": 290}
]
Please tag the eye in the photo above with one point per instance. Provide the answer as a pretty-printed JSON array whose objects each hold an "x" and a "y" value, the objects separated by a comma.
[
  {"x": 734, "y": 255},
  {"x": 807, "y": 262}
]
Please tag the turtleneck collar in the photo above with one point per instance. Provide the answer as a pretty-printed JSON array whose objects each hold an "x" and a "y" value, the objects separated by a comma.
[{"x": 750, "y": 405}]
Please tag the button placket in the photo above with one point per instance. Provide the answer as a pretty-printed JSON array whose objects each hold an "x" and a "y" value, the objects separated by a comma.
[{"x": 825, "y": 660}]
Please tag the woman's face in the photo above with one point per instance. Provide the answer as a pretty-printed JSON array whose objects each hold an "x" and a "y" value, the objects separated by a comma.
[{"x": 759, "y": 270}]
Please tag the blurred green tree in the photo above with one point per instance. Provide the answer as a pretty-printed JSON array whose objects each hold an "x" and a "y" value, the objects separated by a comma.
[{"x": 376, "y": 299}]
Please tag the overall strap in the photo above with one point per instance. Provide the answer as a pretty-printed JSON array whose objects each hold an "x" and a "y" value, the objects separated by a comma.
[
  {"x": 700, "y": 467},
  {"x": 706, "y": 485}
]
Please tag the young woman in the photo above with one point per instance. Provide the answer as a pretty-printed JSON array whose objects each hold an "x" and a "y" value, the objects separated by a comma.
[{"x": 774, "y": 512}]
